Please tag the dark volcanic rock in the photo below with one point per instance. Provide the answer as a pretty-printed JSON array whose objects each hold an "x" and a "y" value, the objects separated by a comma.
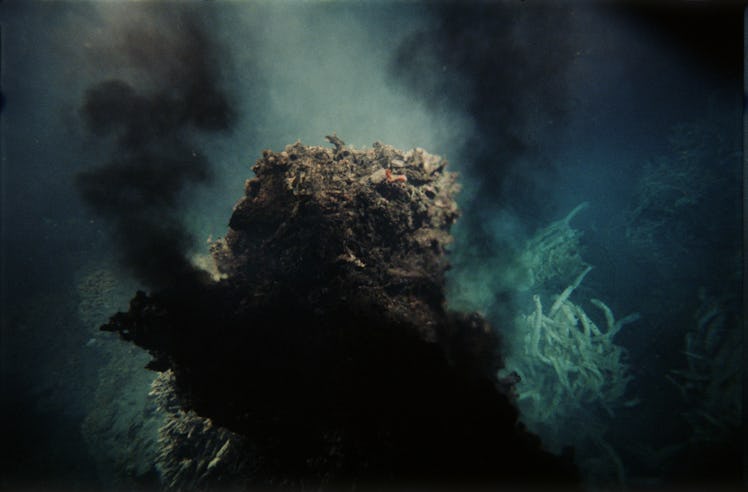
[
  {"x": 325, "y": 354},
  {"x": 328, "y": 227}
]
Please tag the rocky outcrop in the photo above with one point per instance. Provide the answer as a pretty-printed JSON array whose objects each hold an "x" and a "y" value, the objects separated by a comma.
[{"x": 325, "y": 348}]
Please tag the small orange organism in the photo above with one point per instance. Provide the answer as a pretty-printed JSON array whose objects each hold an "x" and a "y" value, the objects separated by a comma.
[{"x": 394, "y": 178}]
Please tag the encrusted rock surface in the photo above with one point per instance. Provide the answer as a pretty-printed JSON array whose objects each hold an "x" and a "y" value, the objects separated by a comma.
[
  {"x": 325, "y": 349},
  {"x": 340, "y": 224}
]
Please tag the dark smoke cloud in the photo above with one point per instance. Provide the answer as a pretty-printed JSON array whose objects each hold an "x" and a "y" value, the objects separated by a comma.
[
  {"x": 503, "y": 65},
  {"x": 149, "y": 120}
]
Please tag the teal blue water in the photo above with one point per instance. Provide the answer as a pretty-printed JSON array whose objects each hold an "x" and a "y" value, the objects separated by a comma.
[{"x": 636, "y": 110}]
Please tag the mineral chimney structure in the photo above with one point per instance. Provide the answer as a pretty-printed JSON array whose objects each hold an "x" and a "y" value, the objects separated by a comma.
[{"x": 323, "y": 356}]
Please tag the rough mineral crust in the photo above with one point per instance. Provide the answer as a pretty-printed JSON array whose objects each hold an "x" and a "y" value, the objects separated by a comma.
[
  {"x": 342, "y": 226},
  {"x": 324, "y": 354}
]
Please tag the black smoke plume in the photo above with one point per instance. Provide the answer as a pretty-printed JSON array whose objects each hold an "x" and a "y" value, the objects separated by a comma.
[
  {"x": 148, "y": 125},
  {"x": 503, "y": 65}
]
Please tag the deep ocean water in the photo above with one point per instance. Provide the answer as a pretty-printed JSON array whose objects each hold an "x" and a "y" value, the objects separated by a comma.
[{"x": 632, "y": 109}]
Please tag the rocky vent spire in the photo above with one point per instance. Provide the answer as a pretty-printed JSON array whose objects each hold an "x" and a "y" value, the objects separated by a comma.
[
  {"x": 323, "y": 355},
  {"x": 329, "y": 225}
]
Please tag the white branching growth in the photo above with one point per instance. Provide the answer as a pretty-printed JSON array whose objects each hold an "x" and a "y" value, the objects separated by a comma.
[
  {"x": 571, "y": 369},
  {"x": 193, "y": 453},
  {"x": 554, "y": 251},
  {"x": 568, "y": 360}
]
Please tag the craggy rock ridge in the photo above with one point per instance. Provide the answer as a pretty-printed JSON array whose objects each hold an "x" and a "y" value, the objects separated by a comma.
[{"x": 324, "y": 351}]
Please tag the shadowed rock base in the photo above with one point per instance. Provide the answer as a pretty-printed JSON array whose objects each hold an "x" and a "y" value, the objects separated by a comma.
[{"x": 323, "y": 357}]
